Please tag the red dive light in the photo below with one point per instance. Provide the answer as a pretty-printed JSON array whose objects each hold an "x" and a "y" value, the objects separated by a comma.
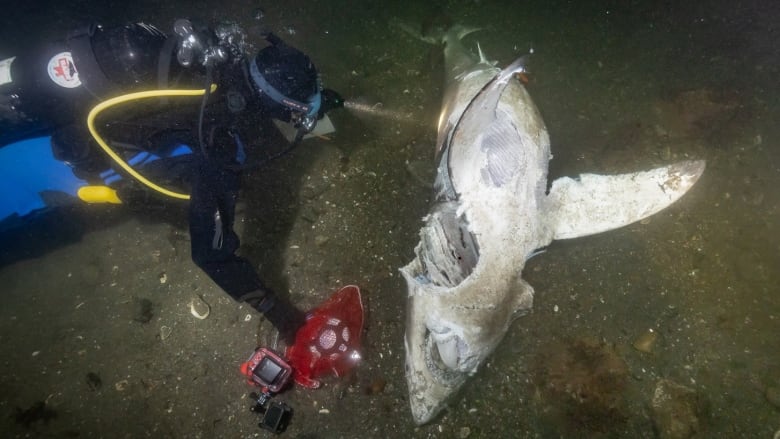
[{"x": 329, "y": 342}]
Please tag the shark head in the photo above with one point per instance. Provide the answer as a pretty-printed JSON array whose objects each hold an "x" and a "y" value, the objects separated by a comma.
[
  {"x": 464, "y": 288},
  {"x": 455, "y": 318}
]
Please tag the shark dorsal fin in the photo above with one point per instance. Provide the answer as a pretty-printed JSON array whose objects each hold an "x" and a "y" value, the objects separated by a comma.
[{"x": 597, "y": 203}]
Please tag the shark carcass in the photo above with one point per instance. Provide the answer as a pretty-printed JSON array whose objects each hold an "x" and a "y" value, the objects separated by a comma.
[{"x": 491, "y": 213}]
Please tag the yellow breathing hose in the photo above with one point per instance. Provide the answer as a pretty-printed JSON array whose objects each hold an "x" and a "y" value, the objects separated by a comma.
[{"x": 131, "y": 97}]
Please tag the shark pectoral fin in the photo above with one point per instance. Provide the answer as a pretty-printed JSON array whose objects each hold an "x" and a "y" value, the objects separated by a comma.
[{"x": 597, "y": 203}]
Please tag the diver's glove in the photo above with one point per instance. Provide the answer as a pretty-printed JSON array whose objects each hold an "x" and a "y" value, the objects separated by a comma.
[
  {"x": 285, "y": 317},
  {"x": 330, "y": 100}
]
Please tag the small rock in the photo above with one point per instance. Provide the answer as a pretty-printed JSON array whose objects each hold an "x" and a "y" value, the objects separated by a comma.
[
  {"x": 320, "y": 240},
  {"x": 120, "y": 386},
  {"x": 143, "y": 310},
  {"x": 676, "y": 410},
  {"x": 37, "y": 412},
  {"x": 464, "y": 432},
  {"x": 646, "y": 341},
  {"x": 94, "y": 382},
  {"x": 376, "y": 386}
]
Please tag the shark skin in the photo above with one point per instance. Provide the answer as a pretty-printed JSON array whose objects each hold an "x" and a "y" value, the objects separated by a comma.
[{"x": 491, "y": 214}]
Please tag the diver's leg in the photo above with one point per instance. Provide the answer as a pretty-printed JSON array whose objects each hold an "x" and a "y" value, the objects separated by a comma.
[{"x": 214, "y": 243}]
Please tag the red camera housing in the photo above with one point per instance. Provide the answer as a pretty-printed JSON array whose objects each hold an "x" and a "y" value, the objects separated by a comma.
[{"x": 268, "y": 370}]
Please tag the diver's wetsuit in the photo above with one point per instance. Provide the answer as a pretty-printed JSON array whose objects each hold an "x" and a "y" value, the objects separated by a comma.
[
  {"x": 215, "y": 184},
  {"x": 214, "y": 245},
  {"x": 211, "y": 217},
  {"x": 214, "y": 177}
]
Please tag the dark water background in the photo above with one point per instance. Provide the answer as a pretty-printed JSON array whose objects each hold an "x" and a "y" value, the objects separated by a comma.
[{"x": 622, "y": 85}]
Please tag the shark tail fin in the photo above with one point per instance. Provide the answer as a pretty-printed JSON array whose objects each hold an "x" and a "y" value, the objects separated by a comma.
[
  {"x": 435, "y": 36},
  {"x": 597, "y": 203},
  {"x": 459, "y": 31}
]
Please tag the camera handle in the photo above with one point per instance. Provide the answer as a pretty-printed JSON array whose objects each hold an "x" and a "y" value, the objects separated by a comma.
[
  {"x": 261, "y": 400},
  {"x": 276, "y": 415}
]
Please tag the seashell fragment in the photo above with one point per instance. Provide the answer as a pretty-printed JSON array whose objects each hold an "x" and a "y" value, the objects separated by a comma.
[
  {"x": 199, "y": 308},
  {"x": 120, "y": 386}
]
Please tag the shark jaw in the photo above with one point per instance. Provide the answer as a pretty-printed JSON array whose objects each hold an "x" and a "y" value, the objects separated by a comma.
[
  {"x": 431, "y": 383},
  {"x": 451, "y": 329}
]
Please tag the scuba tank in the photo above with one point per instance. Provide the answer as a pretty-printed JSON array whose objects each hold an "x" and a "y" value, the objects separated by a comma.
[
  {"x": 52, "y": 86},
  {"x": 49, "y": 91}
]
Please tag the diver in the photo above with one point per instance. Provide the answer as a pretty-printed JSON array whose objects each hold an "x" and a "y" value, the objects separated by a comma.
[{"x": 46, "y": 96}]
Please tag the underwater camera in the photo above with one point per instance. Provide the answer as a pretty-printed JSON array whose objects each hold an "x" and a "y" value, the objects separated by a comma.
[{"x": 271, "y": 373}]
